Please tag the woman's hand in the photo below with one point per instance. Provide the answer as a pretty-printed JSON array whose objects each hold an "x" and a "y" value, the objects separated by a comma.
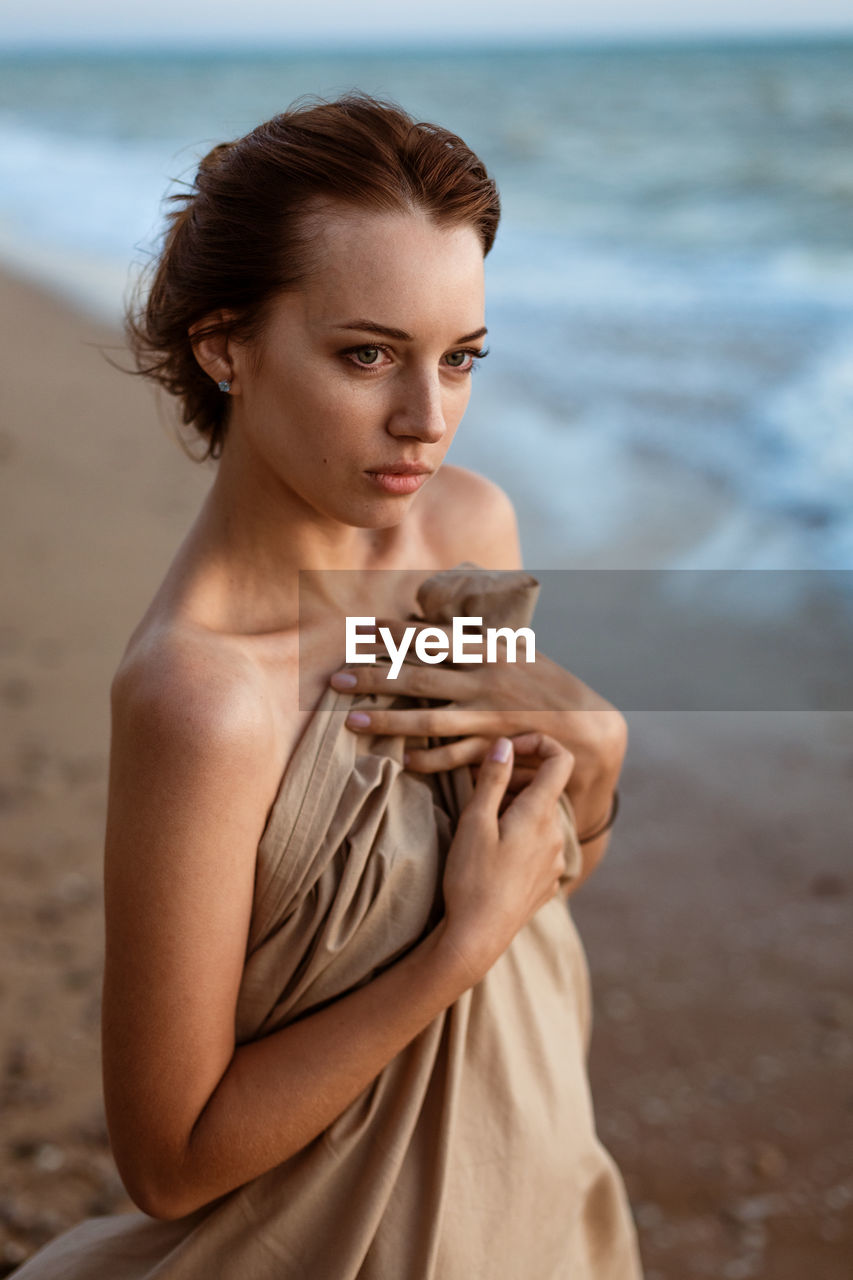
[
  {"x": 503, "y": 866},
  {"x": 500, "y": 698}
]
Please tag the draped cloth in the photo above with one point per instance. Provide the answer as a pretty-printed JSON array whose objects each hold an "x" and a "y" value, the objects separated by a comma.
[{"x": 474, "y": 1152}]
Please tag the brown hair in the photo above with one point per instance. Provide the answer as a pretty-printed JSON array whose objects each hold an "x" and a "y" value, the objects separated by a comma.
[{"x": 239, "y": 235}]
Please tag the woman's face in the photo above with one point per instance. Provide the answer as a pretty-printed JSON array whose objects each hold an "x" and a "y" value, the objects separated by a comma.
[{"x": 366, "y": 369}]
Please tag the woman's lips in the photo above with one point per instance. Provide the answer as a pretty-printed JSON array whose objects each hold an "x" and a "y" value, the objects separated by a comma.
[{"x": 393, "y": 482}]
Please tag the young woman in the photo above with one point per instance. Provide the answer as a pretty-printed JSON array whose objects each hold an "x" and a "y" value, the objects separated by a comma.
[{"x": 346, "y": 1011}]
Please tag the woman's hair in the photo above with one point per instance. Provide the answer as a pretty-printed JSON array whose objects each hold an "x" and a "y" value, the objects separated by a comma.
[{"x": 242, "y": 233}]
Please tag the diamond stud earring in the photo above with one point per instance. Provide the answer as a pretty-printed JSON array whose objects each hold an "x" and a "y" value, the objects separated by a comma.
[{"x": 224, "y": 385}]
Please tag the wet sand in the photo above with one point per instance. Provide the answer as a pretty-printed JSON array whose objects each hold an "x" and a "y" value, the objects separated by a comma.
[{"x": 717, "y": 929}]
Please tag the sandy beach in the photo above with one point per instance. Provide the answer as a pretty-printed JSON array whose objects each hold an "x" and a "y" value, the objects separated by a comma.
[{"x": 717, "y": 929}]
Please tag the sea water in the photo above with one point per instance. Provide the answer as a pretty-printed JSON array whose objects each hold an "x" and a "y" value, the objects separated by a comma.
[{"x": 670, "y": 298}]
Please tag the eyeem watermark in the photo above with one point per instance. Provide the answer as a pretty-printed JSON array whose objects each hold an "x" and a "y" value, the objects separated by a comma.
[{"x": 433, "y": 645}]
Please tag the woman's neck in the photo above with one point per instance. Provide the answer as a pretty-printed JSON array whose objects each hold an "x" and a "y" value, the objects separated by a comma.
[{"x": 238, "y": 568}]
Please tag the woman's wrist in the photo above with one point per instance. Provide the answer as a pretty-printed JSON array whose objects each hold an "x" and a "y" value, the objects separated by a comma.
[
  {"x": 460, "y": 963},
  {"x": 594, "y": 799},
  {"x": 599, "y": 752},
  {"x": 593, "y": 833}
]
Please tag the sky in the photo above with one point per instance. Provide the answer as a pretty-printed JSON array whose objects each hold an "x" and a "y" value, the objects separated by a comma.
[{"x": 383, "y": 22}]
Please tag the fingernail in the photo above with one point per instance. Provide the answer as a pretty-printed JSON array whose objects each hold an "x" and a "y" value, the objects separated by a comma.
[
  {"x": 343, "y": 680},
  {"x": 358, "y": 719},
  {"x": 501, "y": 750}
]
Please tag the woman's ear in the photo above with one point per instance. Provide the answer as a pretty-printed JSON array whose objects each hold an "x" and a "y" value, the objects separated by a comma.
[{"x": 212, "y": 349}]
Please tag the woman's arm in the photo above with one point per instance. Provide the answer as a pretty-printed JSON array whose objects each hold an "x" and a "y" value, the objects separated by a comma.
[{"x": 191, "y": 1115}]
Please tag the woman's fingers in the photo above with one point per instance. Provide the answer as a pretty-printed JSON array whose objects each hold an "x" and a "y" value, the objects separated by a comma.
[
  {"x": 555, "y": 769},
  {"x": 519, "y": 778},
  {"x": 549, "y": 780},
  {"x": 413, "y": 679},
  {"x": 492, "y": 781},
  {"x": 471, "y": 750},
  {"x": 529, "y": 743},
  {"x": 425, "y": 722},
  {"x": 468, "y": 750},
  {"x": 542, "y": 773}
]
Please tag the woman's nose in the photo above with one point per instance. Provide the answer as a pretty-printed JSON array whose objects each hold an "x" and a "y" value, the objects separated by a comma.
[{"x": 419, "y": 411}]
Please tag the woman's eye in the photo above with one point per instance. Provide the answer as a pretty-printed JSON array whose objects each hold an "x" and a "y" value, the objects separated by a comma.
[
  {"x": 465, "y": 360},
  {"x": 371, "y": 356},
  {"x": 458, "y": 359},
  {"x": 367, "y": 355}
]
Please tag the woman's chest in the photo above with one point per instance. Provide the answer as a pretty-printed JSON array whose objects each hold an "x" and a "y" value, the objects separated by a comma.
[{"x": 335, "y": 605}]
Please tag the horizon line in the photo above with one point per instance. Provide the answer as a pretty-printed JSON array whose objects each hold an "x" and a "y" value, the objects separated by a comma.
[{"x": 272, "y": 46}]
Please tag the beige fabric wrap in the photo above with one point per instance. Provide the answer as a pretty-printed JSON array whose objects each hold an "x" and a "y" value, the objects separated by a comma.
[{"x": 473, "y": 1153}]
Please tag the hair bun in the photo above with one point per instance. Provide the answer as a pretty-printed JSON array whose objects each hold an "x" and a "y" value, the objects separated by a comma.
[{"x": 215, "y": 157}]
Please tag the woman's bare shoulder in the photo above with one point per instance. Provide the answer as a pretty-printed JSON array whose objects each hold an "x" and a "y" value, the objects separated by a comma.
[
  {"x": 182, "y": 687},
  {"x": 469, "y": 517}
]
